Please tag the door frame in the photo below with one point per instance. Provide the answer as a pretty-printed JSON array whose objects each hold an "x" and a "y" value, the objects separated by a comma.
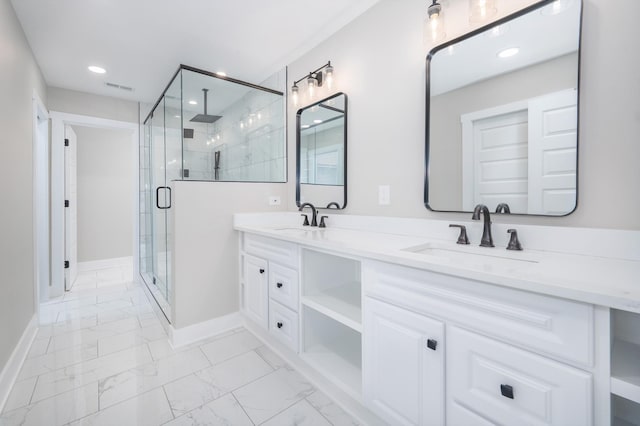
[
  {"x": 41, "y": 209},
  {"x": 58, "y": 121}
]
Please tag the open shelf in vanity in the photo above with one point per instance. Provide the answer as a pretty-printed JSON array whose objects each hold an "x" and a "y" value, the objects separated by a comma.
[
  {"x": 625, "y": 369},
  {"x": 332, "y": 317}
]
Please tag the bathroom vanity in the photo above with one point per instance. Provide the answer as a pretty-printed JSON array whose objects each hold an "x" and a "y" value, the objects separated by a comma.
[{"x": 420, "y": 330}]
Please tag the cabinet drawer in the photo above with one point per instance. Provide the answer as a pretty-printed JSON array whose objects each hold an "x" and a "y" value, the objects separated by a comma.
[
  {"x": 489, "y": 380},
  {"x": 556, "y": 327},
  {"x": 283, "y": 285},
  {"x": 283, "y": 324},
  {"x": 283, "y": 252}
]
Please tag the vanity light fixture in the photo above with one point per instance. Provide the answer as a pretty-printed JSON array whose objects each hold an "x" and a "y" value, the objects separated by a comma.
[
  {"x": 314, "y": 79},
  {"x": 509, "y": 52},
  {"x": 434, "y": 25},
  {"x": 481, "y": 10}
]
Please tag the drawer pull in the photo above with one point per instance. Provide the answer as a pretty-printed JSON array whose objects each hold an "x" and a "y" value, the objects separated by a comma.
[
  {"x": 432, "y": 344},
  {"x": 279, "y": 325},
  {"x": 279, "y": 285},
  {"x": 506, "y": 391},
  {"x": 261, "y": 271}
]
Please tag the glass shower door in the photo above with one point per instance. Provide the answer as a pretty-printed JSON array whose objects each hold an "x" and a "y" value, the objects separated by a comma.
[{"x": 162, "y": 202}]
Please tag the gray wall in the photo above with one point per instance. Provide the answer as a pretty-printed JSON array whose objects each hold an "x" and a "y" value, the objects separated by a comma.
[
  {"x": 19, "y": 76},
  {"x": 70, "y": 101},
  {"x": 205, "y": 249},
  {"x": 105, "y": 187},
  {"x": 386, "y": 111},
  {"x": 445, "y": 168}
]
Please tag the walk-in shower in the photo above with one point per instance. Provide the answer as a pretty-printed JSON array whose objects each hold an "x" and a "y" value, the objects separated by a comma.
[{"x": 204, "y": 127}]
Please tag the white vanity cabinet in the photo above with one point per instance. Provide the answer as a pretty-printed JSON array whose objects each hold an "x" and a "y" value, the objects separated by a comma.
[
  {"x": 403, "y": 369},
  {"x": 270, "y": 286},
  {"x": 511, "y": 357},
  {"x": 256, "y": 299}
]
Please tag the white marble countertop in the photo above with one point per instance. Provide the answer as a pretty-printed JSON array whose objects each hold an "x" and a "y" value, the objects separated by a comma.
[{"x": 598, "y": 280}]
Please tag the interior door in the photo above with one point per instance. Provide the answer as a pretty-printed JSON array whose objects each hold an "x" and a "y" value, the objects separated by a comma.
[
  {"x": 500, "y": 157},
  {"x": 71, "y": 209},
  {"x": 552, "y": 153}
]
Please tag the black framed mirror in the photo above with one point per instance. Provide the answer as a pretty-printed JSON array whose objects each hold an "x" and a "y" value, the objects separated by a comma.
[
  {"x": 321, "y": 153},
  {"x": 502, "y": 114}
]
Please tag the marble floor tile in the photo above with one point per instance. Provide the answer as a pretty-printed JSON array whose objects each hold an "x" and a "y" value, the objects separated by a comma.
[
  {"x": 127, "y": 384},
  {"x": 330, "y": 410},
  {"x": 235, "y": 344},
  {"x": 20, "y": 394},
  {"x": 224, "y": 411},
  {"x": 77, "y": 375},
  {"x": 299, "y": 414},
  {"x": 58, "y": 328},
  {"x": 273, "y": 393},
  {"x": 140, "y": 336},
  {"x": 197, "y": 389},
  {"x": 38, "y": 347},
  {"x": 148, "y": 409},
  {"x": 36, "y": 366},
  {"x": 268, "y": 355},
  {"x": 58, "y": 410}
]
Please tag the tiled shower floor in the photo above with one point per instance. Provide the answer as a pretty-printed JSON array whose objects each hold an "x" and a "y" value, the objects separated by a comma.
[{"x": 101, "y": 357}]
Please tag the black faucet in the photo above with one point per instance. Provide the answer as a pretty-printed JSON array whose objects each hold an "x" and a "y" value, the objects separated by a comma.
[
  {"x": 503, "y": 208},
  {"x": 487, "y": 239},
  {"x": 333, "y": 203},
  {"x": 314, "y": 213}
]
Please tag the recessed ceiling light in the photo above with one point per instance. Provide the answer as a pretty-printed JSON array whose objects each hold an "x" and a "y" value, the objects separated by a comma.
[
  {"x": 96, "y": 69},
  {"x": 507, "y": 53},
  {"x": 221, "y": 73},
  {"x": 317, "y": 121},
  {"x": 193, "y": 103}
]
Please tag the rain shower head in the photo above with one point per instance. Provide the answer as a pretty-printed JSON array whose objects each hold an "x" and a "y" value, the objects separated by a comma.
[{"x": 205, "y": 118}]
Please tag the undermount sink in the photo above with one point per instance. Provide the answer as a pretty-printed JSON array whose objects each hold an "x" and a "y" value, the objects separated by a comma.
[
  {"x": 471, "y": 255},
  {"x": 298, "y": 230}
]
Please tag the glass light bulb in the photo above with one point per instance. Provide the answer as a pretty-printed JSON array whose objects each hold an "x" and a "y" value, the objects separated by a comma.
[
  {"x": 481, "y": 10},
  {"x": 434, "y": 31},
  {"x": 328, "y": 76},
  {"x": 312, "y": 84},
  {"x": 294, "y": 95}
]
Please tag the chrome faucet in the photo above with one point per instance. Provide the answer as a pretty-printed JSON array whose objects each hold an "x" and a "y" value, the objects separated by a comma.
[
  {"x": 314, "y": 213},
  {"x": 487, "y": 239}
]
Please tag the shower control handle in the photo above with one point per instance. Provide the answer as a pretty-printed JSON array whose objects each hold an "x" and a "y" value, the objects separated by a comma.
[
  {"x": 279, "y": 325},
  {"x": 261, "y": 271},
  {"x": 279, "y": 285}
]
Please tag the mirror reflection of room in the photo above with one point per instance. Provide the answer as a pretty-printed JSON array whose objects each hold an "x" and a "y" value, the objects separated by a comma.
[
  {"x": 321, "y": 161},
  {"x": 503, "y": 116}
]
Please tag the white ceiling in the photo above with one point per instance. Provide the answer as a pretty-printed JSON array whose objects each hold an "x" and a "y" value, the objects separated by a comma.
[{"x": 141, "y": 43}]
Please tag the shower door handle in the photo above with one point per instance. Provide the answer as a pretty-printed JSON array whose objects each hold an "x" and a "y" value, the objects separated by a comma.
[{"x": 158, "y": 197}]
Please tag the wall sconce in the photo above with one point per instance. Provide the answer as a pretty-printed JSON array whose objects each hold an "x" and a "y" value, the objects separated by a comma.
[
  {"x": 481, "y": 10},
  {"x": 434, "y": 25},
  {"x": 315, "y": 79}
]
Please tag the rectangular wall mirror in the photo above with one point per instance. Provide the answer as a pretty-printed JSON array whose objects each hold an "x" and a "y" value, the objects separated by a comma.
[
  {"x": 502, "y": 114},
  {"x": 321, "y": 162}
]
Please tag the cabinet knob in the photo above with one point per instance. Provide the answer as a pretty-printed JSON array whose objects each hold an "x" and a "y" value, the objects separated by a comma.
[
  {"x": 506, "y": 391},
  {"x": 279, "y": 285},
  {"x": 432, "y": 344},
  {"x": 261, "y": 271},
  {"x": 279, "y": 325}
]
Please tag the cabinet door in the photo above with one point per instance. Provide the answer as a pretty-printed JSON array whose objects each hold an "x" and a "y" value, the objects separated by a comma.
[
  {"x": 491, "y": 382},
  {"x": 256, "y": 299},
  {"x": 403, "y": 365}
]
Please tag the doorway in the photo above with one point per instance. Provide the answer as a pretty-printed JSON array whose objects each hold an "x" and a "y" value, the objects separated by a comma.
[{"x": 72, "y": 249}]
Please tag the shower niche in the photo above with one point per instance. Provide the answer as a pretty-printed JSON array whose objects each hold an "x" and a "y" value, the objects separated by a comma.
[{"x": 204, "y": 127}]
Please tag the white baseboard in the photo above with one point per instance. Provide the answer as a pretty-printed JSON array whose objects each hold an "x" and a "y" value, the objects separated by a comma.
[
  {"x": 105, "y": 263},
  {"x": 193, "y": 333},
  {"x": 14, "y": 364}
]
